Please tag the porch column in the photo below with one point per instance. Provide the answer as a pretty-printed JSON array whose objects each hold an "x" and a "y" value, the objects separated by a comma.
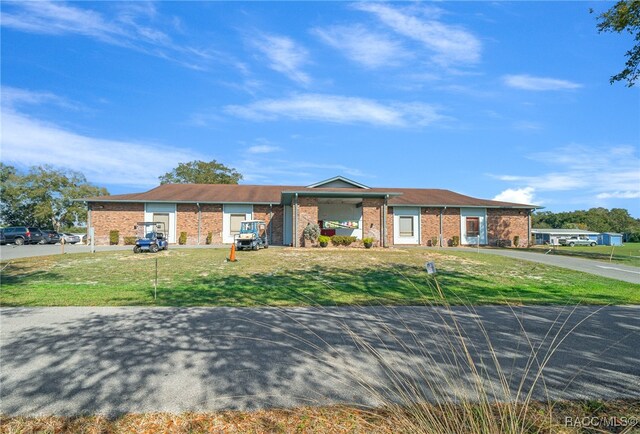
[{"x": 372, "y": 219}]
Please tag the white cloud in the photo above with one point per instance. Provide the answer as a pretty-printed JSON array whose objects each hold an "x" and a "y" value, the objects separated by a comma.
[
  {"x": 103, "y": 161},
  {"x": 263, "y": 149},
  {"x": 125, "y": 30},
  {"x": 371, "y": 50},
  {"x": 284, "y": 56},
  {"x": 529, "y": 82},
  {"x": 620, "y": 195},
  {"x": 13, "y": 97},
  {"x": 339, "y": 109},
  {"x": 450, "y": 44},
  {"x": 596, "y": 172},
  {"x": 517, "y": 195}
]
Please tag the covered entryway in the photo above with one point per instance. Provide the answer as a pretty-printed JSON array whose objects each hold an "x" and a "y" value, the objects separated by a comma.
[{"x": 340, "y": 216}]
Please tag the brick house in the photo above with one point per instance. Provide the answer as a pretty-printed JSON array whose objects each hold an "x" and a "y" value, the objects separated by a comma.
[{"x": 392, "y": 216}]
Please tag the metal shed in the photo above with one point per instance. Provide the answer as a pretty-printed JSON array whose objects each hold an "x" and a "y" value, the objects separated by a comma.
[{"x": 610, "y": 239}]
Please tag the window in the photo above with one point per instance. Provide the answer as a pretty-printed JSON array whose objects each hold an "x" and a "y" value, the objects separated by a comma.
[
  {"x": 235, "y": 220},
  {"x": 406, "y": 226},
  {"x": 473, "y": 226}
]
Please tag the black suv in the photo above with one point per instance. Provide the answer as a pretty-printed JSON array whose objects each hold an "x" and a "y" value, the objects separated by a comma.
[
  {"x": 37, "y": 237},
  {"x": 50, "y": 237},
  {"x": 18, "y": 235}
]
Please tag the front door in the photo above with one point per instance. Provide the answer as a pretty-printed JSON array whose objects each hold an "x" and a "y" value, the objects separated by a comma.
[{"x": 162, "y": 218}]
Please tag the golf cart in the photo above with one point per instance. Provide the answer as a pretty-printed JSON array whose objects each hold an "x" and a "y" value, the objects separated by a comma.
[
  {"x": 253, "y": 235},
  {"x": 151, "y": 237}
]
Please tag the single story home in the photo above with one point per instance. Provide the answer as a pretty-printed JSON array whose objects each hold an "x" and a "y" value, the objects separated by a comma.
[
  {"x": 391, "y": 216},
  {"x": 552, "y": 236}
]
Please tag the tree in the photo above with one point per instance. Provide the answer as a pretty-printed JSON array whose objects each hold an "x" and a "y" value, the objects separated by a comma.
[
  {"x": 624, "y": 16},
  {"x": 200, "y": 172},
  {"x": 44, "y": 196}
]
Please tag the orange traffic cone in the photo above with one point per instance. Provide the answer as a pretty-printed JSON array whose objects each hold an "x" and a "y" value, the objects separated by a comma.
[{"x": 232, "y": 255}]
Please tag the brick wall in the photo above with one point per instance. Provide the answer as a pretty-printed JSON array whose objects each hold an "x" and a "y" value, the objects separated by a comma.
[
  {"x": 274, "y": 217},
  {"x": 211, "y": 222},
  {"x": 505, "y": 224},
  {"x": 372, "y": 219},
  {"x": 106, "y": 216},
  {"x": 307, "y": 213},
  {"x": 389, "y": 226},
  {"x": 450, "y": 225},
  {"x": 429, "y": 225},
  {"x": 187, "y": 221}
]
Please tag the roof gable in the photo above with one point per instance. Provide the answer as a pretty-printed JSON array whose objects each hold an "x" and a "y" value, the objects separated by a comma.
[{"x": 338, "y": 182}]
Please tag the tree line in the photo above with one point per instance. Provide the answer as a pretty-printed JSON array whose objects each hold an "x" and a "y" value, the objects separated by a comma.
[
  {"x": 45, "y": 197},
  {"x": 595, "y": 219}
]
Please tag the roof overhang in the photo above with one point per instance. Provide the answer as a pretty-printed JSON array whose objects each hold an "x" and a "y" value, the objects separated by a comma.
[
  {"x": 287, "y": 196},
  {"x": 207, "y": 202},
  {"x": 467, "y": 206}
]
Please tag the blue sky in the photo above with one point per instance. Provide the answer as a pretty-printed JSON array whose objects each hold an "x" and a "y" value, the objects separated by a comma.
[{"x": 505, "y": 100}]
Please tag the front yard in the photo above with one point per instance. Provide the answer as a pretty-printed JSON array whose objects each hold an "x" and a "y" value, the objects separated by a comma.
[
  {"x": 293, "y": 277},
  {"x": 628, "y": 254}
]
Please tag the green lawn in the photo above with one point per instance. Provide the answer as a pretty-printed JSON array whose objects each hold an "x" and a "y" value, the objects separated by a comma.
[
  {"x": 288, "y": 277},
  {"x": 628, "y": 254}
]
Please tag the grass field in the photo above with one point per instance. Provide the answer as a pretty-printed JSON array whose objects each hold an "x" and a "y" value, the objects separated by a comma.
[
  {"x": 628, "y": 254},
  {"x": 293, "y": 277}
]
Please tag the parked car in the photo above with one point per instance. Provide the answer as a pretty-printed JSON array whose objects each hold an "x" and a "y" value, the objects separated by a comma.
[
  {"x": 577, "y": 241},
  {"x": 50, "y": 237},
  {"x": 70, "y": 238},
  {"x": 17, "y": 235},
  {"x": 37, "y": 237},
  {"x": 3, "y": 240}
]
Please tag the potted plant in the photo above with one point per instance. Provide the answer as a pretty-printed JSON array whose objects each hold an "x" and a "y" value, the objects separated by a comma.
[
  {"x": 368, "y": 242},
  {"x": 324, "y": 240}
]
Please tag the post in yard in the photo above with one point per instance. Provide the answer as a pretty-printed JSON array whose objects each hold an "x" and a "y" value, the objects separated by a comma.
[{"x": 155, "y": 282}]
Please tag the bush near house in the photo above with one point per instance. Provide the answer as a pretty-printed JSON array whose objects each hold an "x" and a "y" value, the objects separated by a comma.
[
  {"x": 114, "y": 237},
  {"x": 209, "y": 238},
  {"x": 434, "y": 241},
  {"x": 516, "y": 240},
  {"x": 455, "y": 241},
  {"x": 130, "y": 241},
  {"x": 311, "y": 232},
  {"x": 342, "y": 240},
  {"x": 183, "y": 238},
  {"x": 324, "y": 240}
]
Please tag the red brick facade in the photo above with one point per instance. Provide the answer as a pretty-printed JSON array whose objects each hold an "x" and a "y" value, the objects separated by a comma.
[
  {"x": 502, "y": 224},
  {"x": 274, "y": 217},
  {"x": 372, "y": 219},
  {"x": 122, "y": 217},
  {"x": 505, "y": 224},
  {"x": 307, "y": 214}
]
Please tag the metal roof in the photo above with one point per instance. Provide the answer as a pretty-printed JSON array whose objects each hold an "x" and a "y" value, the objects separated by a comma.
[{"x": 564, "y": 232}]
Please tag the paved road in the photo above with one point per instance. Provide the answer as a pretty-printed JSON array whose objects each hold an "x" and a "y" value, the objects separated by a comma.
[
  {"x": 612, "y": 270},
  {"x": 113, "y": 360}
]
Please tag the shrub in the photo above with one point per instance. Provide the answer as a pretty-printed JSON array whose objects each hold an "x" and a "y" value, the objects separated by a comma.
[
  {"x": 368, "y": 240},
  {"x": 324, "y": 239},
  {"x": 434, "y": 241},
  {"x": 209, "y": 238},
  {"x": 342, "y": 240},
  {"x": 311, "y": 232},
  {"x": 516, "y": 240},
  {"x": 455, "y": 241},
  {"x": 114, "y": 237},
  {"x": 183, "y": 238},
  {"x": 130, "y": 241}
]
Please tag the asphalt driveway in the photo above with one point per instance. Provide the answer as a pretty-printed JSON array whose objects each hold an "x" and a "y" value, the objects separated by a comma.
[
  {"x": 72, "y": 360},
  {"x": 622, "y": 272}
]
